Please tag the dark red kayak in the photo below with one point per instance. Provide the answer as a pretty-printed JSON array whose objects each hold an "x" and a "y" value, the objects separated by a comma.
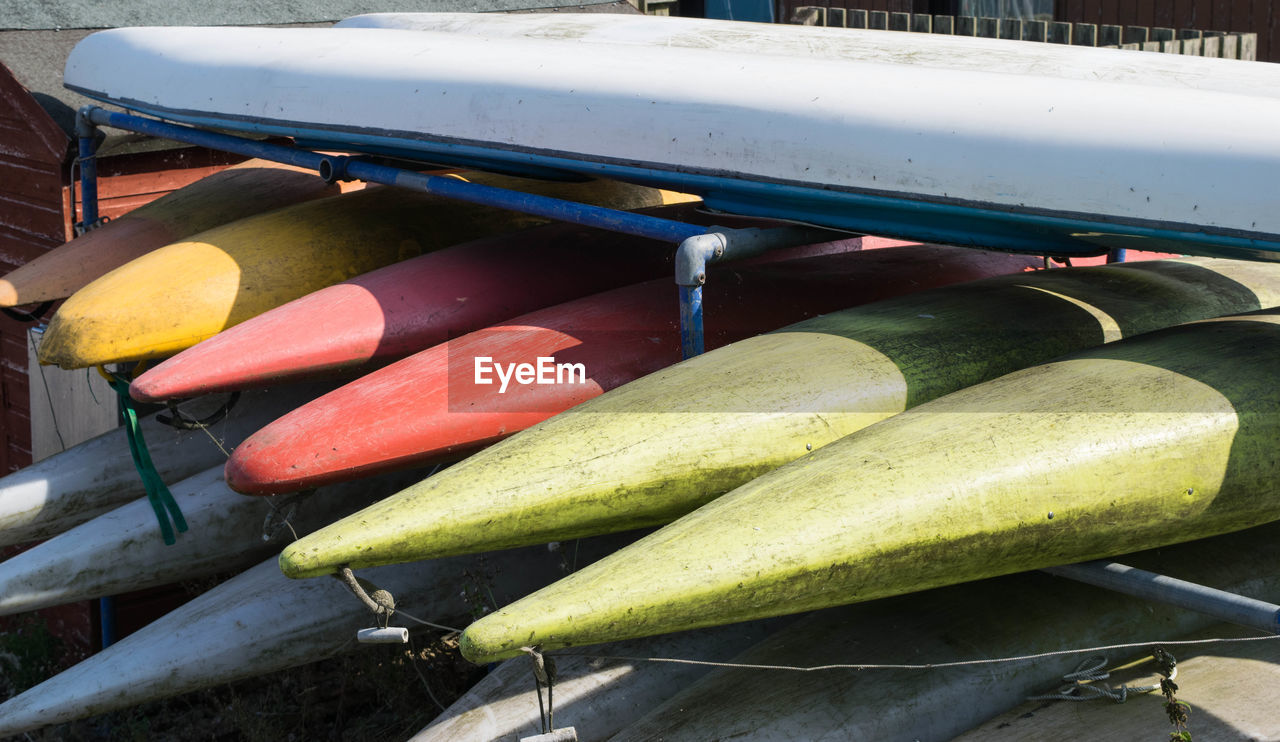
[
  {"x": 404, "y": 308},
  {"x": 456, "y": 397}
]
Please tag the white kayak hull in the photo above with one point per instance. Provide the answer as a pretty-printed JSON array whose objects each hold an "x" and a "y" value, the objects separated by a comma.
[
  {"x": 1028, "y": 162},
  {"x": 1003, "y": 617},
  {"x": 122, "y": 551},
  {"x": 97, "y": 476},
  {"x": 261, "y": 621},
  {"x": 597, "y": 696}
]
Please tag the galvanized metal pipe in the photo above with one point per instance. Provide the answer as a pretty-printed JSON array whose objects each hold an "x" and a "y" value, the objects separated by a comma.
[{"x": 1210, "y": 601}]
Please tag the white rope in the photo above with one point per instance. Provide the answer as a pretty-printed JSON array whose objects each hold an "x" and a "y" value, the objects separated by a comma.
[
  {"x": 1078, "y": 684},
  {"x": 928, "y": 666}
]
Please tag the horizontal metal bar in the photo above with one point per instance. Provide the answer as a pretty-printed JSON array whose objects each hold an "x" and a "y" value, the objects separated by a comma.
[
  {"x": 340, "y": 167},
  {"x": 209, "y": 139},
  {"x": 1210, "y": 601},
  {"x": 553, "y": 208}
]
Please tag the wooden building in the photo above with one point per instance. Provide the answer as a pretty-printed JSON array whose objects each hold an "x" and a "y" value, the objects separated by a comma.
[{"x": 1229, "y": 16}]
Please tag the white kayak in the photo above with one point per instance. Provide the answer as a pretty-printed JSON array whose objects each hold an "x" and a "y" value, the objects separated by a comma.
[
  {"x": 1004, "y": 617},
  {"x": 1023, "y": 160},
  {"x": 597, "y": 697},
  {"x": 122, "y": 550},
  {"x": 262, "y": 621},
  {"x": 94, "y": 477}
]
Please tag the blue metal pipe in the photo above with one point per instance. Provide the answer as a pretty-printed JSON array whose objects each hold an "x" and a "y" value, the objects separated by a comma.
[
  {"x": 691, "y": 341},
  {"x": 87, "y": 134},
  {"x": 1117, "y": 256},
  {"x": 211, "y": 140},
  {"x": 1210, "y": 601},
  {"x": 335, "y": 168},
  {"x": 667, "y": 230},
  {"x": 107, "y": 620}
]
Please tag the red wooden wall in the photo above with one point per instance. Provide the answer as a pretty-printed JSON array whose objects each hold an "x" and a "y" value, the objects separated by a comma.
[{"x": 36, "y": 216}]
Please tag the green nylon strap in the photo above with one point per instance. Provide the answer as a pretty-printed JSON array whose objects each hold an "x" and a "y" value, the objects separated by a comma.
[{"x": 157, "y": 493}]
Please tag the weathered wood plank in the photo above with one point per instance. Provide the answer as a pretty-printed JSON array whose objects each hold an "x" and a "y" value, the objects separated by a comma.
[
  {"x": 67, "y": 407},
  {"x": 1211, "y": 46},
  {"x": 1231, "y": 46},
  {"x": 1249, "y": 47}
]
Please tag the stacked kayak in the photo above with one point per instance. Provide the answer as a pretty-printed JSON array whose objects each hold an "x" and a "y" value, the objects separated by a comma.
[
  {"x": 454, "y": 398},
  {"x": 958, "y": 624},
  {"x": 896, "y": 437},
  {"x": 118, "y": 552},
  {"x": 261, "y": 621},
  {"x": 1022, "y": 147},
  {"x": 659, "y": 447},
  {"x": 240, "y": 191},
  {"x": 415, "y": 304},
  {"x": 97, "y": 476},
  {"x": 178, "y": 295},
  {"x": 1149, "y": 441}
]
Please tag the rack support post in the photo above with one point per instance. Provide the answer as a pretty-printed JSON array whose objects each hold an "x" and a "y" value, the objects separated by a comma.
[
  {"x": 1210, "y": 601},
  {"x": 86, "y": 133}
]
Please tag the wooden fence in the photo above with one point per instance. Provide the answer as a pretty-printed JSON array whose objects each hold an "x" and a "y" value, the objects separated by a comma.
[{"x": 1142, "y": 38}]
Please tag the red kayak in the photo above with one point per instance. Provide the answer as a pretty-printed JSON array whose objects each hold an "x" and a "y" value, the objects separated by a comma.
[
  {"x": 454, "y": 398},
  {"x": 402, "y": 309}
]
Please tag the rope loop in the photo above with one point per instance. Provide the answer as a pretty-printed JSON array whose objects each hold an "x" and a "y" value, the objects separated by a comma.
[
  {"x": 377, "y": 600},
  {"x": 1081, "y": 686}
]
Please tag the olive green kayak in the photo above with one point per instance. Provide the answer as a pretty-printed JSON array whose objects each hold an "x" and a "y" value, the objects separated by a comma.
[
  {"x": 648, "y": 452},
  {"x": 1154, "y": 440},
  {"x": 956, "y": 624}
]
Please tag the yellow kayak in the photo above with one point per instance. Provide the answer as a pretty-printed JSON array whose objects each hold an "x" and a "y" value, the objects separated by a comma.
[
  {"x": 249, "y": 188},
  {"x": 178, "y": 295}
]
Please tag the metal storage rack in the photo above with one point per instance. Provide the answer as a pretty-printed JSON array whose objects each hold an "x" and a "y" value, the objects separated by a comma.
[{"x": 698, "y": 247}]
